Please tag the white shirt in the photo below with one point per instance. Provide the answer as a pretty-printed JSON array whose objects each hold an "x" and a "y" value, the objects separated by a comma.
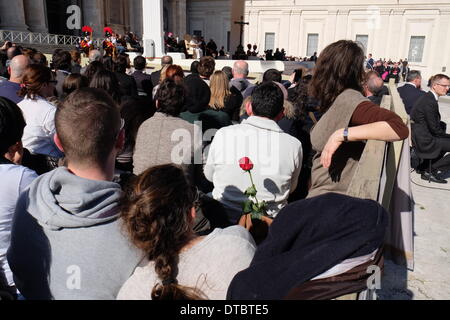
[
  {"x": 435, "y": 95},
  {"x": 38, "y": 134},
  {"x": 277, "y": 159},
  {"x": 13, "y": 181},
  {"x": 209, "y": 266}
]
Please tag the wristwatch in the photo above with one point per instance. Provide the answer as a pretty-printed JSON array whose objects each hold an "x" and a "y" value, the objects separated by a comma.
[{"x": 346, "y": 134}]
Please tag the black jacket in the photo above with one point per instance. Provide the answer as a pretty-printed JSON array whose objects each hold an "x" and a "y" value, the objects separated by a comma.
[
  {"x": 198, "y": 94},
  {"x": 156, "y": 77},
  {"x": 427, "y": 127},
  {"x": 410, "y": 95},
  {"x": 308, "y": 238},
  {"x": 144, "y": 82},
  {"x": 128, "y": 87}
]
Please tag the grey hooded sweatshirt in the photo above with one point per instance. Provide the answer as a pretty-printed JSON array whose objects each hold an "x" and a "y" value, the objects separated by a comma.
[{"x": 67, "y": 241}]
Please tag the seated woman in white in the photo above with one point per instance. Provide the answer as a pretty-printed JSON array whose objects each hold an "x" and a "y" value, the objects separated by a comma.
[
  {"x": 38, "y": 85},
  {"x": 159, "y": 214}
]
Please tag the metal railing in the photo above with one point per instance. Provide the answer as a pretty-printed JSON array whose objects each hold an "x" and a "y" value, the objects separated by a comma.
[{"x": 24, "y": 37}]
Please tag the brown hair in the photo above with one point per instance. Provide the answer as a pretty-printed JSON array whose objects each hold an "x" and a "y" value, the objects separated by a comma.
[
  {"x": 207, "y": 66},
  {"x": 74, "y": 82},
  {"x": 175, "y": 72},
  {"x": 156, "y": 214},
  {"x": 88, "y": 124},
  {"x": 40, "y": 58},
  {"x": 220, "y": 90},
  {"x": 340, "y": 66},
  {"x": 35, "y": 77},
  {"x": 438, "y": 77},
  {"x": 76, "y": 56}
]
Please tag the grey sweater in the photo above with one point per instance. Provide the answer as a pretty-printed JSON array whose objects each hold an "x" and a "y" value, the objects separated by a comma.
[
  {"x": 67, "y": 242},
  {"x": 163, "y": 139}
]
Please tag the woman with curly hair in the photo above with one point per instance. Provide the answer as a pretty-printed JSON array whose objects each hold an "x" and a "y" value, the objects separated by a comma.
[
  {"x": 349, "y": 118},
  {"x": 158, "y": 213}
]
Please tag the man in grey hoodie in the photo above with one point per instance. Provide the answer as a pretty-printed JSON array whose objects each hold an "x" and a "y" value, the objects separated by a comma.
[{"x": 67, "y": 241}]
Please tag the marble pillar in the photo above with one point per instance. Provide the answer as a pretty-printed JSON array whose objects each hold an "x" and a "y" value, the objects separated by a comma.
[
  {"x": 12, "y": 15},
  {"x": 153, "y": 37},
  {"x": 36, "y": 15},
  {"x": 94, "y": 16}
]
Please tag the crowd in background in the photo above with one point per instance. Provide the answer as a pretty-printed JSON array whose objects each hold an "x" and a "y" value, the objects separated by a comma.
[{"x": 102, "y": 176}]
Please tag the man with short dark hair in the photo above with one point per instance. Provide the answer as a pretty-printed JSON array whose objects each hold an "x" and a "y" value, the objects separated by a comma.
[
  {"x": 143, "y": 80},
  {"x": 128, "y": 87},
  {"x": 156, "y": 76},
  {"x": 411, "y": 91},
  {"x": 370, "y": 62},
  {"x": 198, "y": 91},
  {"x": 277, "y": 156},
  {"x": 67, "y": 242},
  {"x": 62, "y": 64},
  {"x": 428, "y": 132}
]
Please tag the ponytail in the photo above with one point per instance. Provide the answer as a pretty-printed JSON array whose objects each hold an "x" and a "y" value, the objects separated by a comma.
[{"x": 156, "y": 212}]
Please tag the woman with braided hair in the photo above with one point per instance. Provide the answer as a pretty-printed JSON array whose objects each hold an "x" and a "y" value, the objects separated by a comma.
[{"x": 158, "y": 213}]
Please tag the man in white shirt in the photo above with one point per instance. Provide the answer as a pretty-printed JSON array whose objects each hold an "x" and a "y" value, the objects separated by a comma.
[
  {"x": 195, "y": 44},
  {"x": 277, "y": 156}
]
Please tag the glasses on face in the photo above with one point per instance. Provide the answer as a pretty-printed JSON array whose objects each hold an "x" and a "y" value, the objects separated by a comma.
[{"x": 444, "y": 85}]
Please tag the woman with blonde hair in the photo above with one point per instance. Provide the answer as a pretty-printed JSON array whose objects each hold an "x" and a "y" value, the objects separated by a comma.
[{"x": 222, "y": 97}]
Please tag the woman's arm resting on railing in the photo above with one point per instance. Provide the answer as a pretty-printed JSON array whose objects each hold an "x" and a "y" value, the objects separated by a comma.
[{"x": 373, "y": 131}]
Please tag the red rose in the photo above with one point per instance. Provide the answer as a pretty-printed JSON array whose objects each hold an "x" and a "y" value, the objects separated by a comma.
[{"x": 246, "y": 164}]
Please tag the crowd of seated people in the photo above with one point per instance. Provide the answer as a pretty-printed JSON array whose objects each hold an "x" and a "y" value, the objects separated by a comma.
[{"x": 137, "y": 183}]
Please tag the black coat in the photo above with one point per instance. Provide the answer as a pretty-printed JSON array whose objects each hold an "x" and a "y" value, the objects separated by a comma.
[
  {"x": 144, "y": 82},
  {"x": 308, "y": 238},
  {"x": 128, "y": 87},
  {"x": 427, "y": 127},
  {"x": 198, "y": 94},
  {"x": 156, "y": 77},
  {"x": 410, "y": 95}
]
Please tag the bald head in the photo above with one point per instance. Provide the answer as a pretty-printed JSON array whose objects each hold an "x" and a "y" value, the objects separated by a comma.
[
  {"x": 240, "y": 69},
  {"x": 95, "y": 55},
  {"x": 17, "y": 67},
  {"x": 166, "y": 61}
]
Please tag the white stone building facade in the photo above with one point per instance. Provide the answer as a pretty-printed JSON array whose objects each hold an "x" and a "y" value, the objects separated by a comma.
[{"x": 418, "y": 30}]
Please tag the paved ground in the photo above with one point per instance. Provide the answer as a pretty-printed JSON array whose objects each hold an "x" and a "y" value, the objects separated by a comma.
[{"x": 431, "y": 277}]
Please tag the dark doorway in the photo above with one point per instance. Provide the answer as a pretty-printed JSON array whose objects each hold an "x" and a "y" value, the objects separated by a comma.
[{"x": 57, "y": 16}]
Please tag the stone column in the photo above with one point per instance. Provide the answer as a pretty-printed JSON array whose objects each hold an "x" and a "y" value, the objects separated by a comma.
[
  {"x": 178, "y": 18},
  {"x": 12, "y": 15},
  {"x": 136, "y": 18},
  {"x": 94, "y": 16},
  {"x": 153, "y": 28},
  {"x": 36, "y": 15},
  {"x": 237, "y": 11}
]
